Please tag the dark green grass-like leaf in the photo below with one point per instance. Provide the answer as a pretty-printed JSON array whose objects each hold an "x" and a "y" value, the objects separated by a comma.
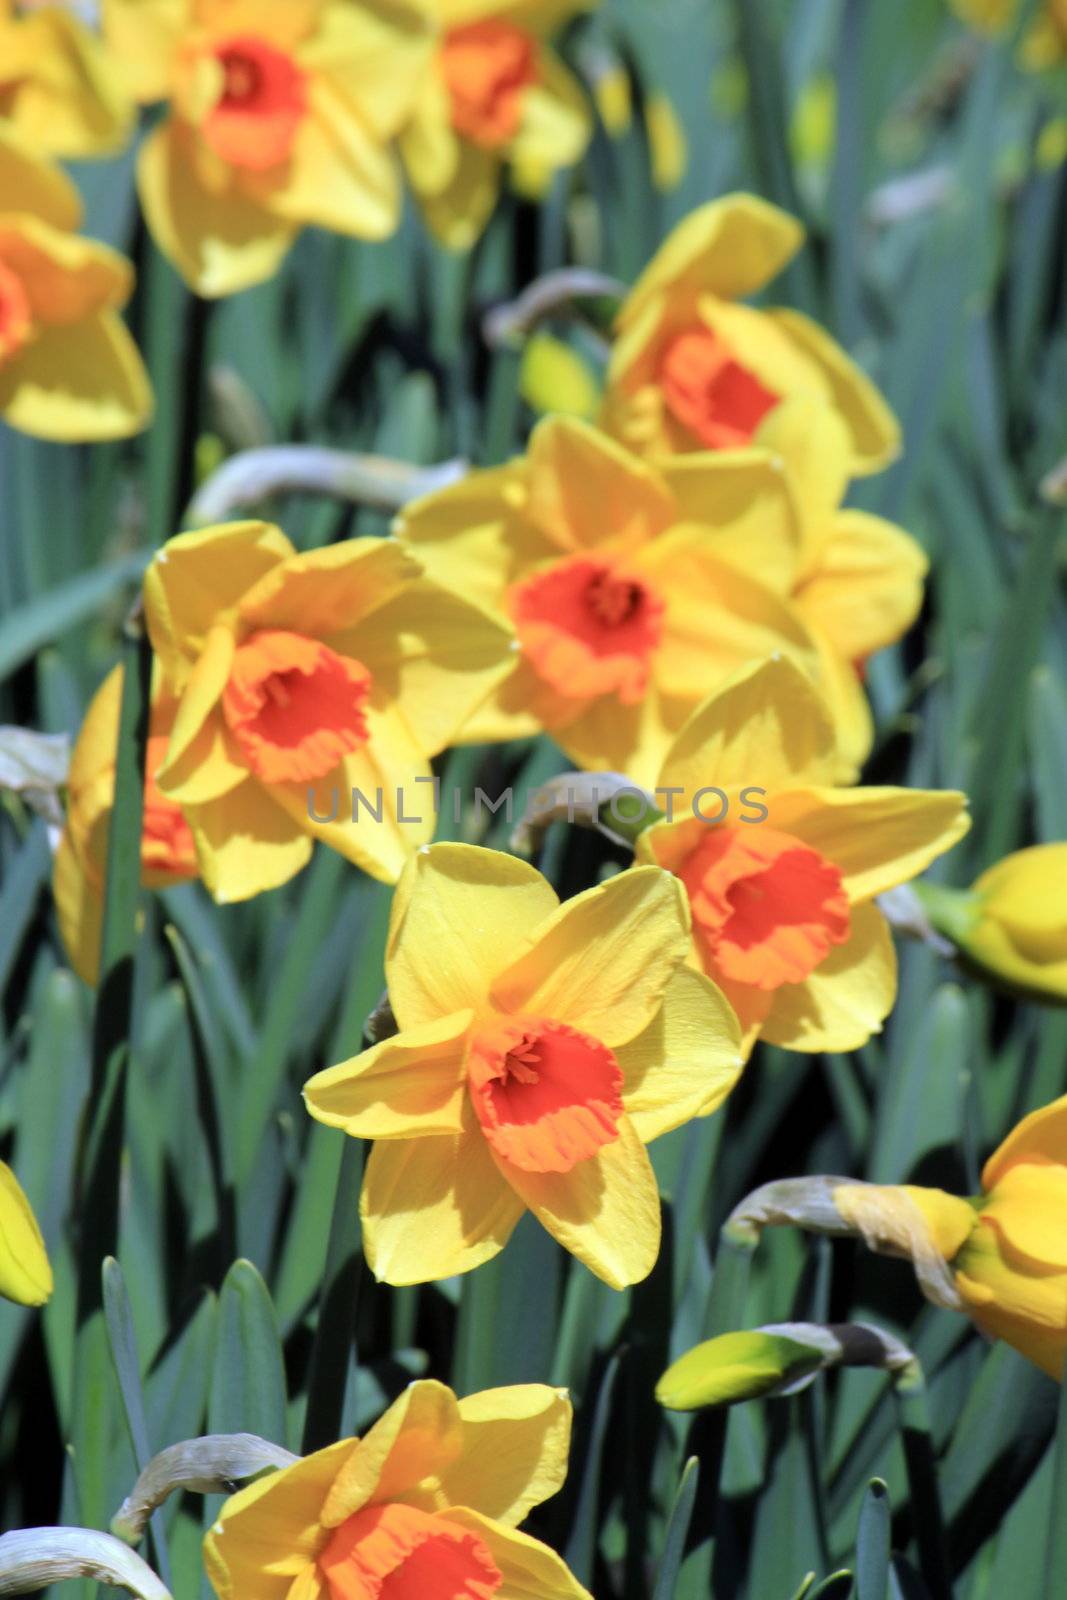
[{"x": 248, "y": 1393}]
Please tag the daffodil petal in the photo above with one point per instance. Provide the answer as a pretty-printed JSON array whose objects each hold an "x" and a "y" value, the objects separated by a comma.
[
  {"x": 875, "y": 431},
  {"x": 865, "y": 587},
  {"x": 685, "y": 1062},
  {"x": 878, "y": 837},
  {"x": 459, "y": 912},
  {"x": 602, "y": 962},
  {"x": 202, "y": 692},
  {"x": 513, "y": 1453},
  {"x": 220, "y": 243},
  {"x": 75, "y": 106},
  {"x": 245, "y": 843},
  {"x": 141, "y": 37},
  {"x": 66, "y": 278},
  {"x": 530, "y": 1570},
  {"x": 267, "y": 1533},
  {"x": 458, "y": 211},
  {"x": 435, "y": 655},
  {"x": 196, "y": 578},
  {"x": 326, "y": 593},
  {"x": 376, "y": 807},
  {"x": 412, "y": 1084},
  {"x": 848, "y": 996},
  {"x": 537, "y": 16},
  {"x": 719, "y": 618},
  {"x": 287, "y": 22},
  {"x": 79, "y": 909},
  {"x": 1041, "y": 1136},
  {"x": 768, "y": 727},
  {"x": 429, "y": 145},
  {"x": 476, "y": 536},
  {"x": 209, "y": 765},
  {"x": 401, "y": 1454},
  {"x": 846, "y": 700},
  {"x": 25, "y": 1275},
  {"x": 584, "y": 489},
  {"x": 1028, "y": 1205},
  {"x": 609, "y": 737},
  {"x": 730, "y": 247},
  {"x": 82, "y": 381},
  {"x": 556, "y": 123},
  {"x": 502, "y": 1450},
  {"x": 434, "y": 1207},
  {"x": 375, "y": 56},
  {"x": 813, "y": 443},
  {"x": 743, "y": 498},
  {"x": 339, "y": 175},
  {"x": 33, "y": 186},
  {"x": 605, "y": 1211}
]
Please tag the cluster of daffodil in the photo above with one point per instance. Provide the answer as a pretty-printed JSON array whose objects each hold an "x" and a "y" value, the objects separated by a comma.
[
  {"x": 673, "y": 591},
  {"x": 289, "y": 113},
  {"x": 675, "y": 595}
]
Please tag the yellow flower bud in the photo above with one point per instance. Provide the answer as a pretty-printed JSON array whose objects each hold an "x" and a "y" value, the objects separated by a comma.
[
  {"x": 1011, "y": 923},
  {"x": 25, "y": 1275}
]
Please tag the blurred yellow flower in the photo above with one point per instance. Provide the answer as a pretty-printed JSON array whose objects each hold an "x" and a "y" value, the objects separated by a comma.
[
  {"x": 694, "y": 368},
  {"x": 541, "y": 1047},
  {"x": 1013, "y": 922},
  {"x": 858, "y": 579},
  {"x": 25, "y": 1275},
  {"x": 69, "y": 369},
  {"x": 667, "y": 143},
  {"x": 58, "y": 88},
  {"x": 496, "y": 94},
  {"x": 554, "y": 378},
  {"x": 168, "y": 854},
  {"x": 424, "y": 1507},
  {"x": 631, "y": 590},
  {"x": 281, "y": 114},
  {"x": 782, "y": 869},
  {"x": 1045, "y": 42},
  {"x": 302, "y": 678}
]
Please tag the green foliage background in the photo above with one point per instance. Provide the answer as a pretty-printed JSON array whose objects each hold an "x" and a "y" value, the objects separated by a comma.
[{"x": 958, "y": 307}]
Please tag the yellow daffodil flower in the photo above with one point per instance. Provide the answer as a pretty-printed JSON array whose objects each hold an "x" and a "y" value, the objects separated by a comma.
[
  {"x": 541, "y": 1046},
  {"x": 79, "y": 872},
  {"x": 1045, "y": 42},
  {"x": 496, "y": 94},
  {"x": 781, "y": 869},
  {"x": 1000, "y": 1256},
  {"x": 425, "y": 1506},
  {"x": 281, "y": 114},
  {"x": 302, "y": 678},
  {"x": 69, "y": 369},
  {"x": 694, "y": 368},
  {"x": 632, "y": 593},
  {"x": 57, "y": 86},
  {"x": 1012, "y": 923},
  {"x": 25, "y": 1275}
]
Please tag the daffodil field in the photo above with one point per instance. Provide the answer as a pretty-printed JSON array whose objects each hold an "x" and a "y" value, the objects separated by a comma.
[{"x": 533, "y": 799}]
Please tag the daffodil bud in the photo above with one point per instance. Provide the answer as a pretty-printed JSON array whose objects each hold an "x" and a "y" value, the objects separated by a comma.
[
  {"x": 1011, "y": 924},
  {"x": 778, "y": 1359},
  {"x": 555, "y": 378},
  {"x": 25, "y": 1275}
]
